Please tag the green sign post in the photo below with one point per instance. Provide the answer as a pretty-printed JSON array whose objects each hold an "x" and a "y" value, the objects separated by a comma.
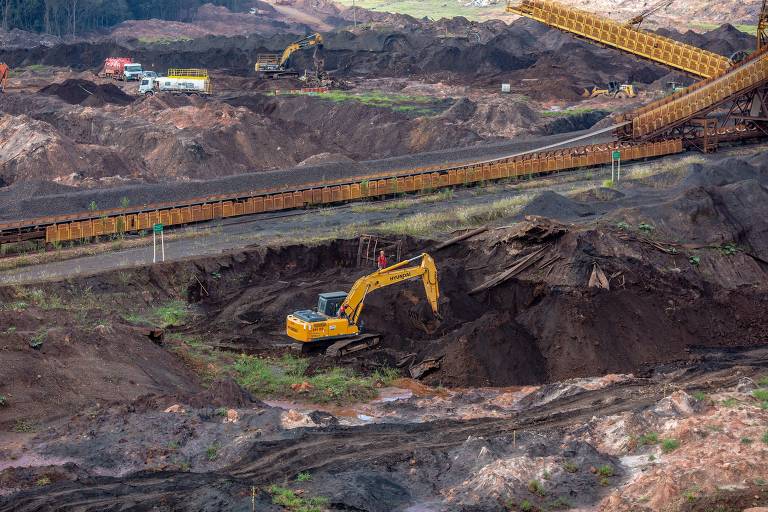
[
  {"x": 157, "y": 229},
  {"x": 616, "y": 164}
]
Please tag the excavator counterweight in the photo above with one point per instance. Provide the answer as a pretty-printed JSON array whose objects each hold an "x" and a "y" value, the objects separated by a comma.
[{"x": 326, "y": 323}]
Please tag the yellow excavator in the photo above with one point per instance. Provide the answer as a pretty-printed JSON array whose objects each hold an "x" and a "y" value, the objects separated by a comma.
[
  {"x": 614, "y": 90},
  {"x": 337, "y": 316},
  {"x": 274, "y": 65}
]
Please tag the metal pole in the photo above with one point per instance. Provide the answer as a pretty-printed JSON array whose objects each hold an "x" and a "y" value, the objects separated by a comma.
[
  {"x": 354, "y": 13},
  {"x": 162, "y": 243},
  {"x": 618, "y": 174},
  {"x": 154, "y": 246},
  {"x": 613, "y": 165}
]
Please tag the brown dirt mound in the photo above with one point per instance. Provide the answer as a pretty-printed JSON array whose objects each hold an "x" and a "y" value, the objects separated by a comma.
[{"x": 83, "y": 92}]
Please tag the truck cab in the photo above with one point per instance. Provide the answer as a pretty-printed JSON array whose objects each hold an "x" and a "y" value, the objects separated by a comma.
[
  {"x": 147, "y": 85},
  {"x": 132, "y": 71}
]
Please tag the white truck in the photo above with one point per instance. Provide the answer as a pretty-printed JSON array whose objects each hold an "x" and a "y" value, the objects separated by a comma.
[{"x": 178, "y": 81}]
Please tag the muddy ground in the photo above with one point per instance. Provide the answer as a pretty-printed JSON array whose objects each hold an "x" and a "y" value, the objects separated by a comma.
[
  {"x": 425, "y": 85},
  {"x": 581, "y": 339}
]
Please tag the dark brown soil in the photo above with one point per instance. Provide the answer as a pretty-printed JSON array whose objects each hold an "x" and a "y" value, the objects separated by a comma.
[{"x": 88, "y": 93}]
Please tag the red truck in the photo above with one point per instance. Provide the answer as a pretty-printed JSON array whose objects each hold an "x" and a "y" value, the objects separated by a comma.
[{"x": 122, "y": 68}]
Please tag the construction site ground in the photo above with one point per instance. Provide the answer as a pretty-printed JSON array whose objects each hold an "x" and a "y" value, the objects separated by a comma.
[
  {"x": 600, "y": 343},
  {"x": 173, "y": 385}
]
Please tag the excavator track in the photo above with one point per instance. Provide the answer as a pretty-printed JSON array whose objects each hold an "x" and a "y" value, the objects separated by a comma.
[{"x": 351, "y": 345}]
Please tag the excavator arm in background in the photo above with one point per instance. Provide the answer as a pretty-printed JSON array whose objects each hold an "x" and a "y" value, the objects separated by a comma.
[
  {"x": 637, "y": 20},
  {"x": 4, "y": 71},
  {"x": 302, "y": 44},
  {"x": 393, "y": 275}
]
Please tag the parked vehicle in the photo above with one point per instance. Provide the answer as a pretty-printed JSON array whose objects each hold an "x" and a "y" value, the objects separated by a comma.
[{"x": 178, "y": 81}]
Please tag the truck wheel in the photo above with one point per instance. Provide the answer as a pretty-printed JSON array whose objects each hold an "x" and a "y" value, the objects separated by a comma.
[{"x": 621, "y": 95}]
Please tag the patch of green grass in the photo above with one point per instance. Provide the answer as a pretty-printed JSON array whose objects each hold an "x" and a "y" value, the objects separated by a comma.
[
  {"x": 746, "y": 440},
  {"x": 39, "y": 338},
  {"x": 571, "y": 112},
  {"x": 397, "y": 102},
  {"x": 36, "y": 68},
  {"x": 303, "y": 477},
  {"x": 729, "y": 402},
  {"x": 763, "y": 381},
  {"x": 746, "y": 28},
  {"x": 163, "y": 39},
  {"x": 43, "y": 481},
  {"x": 212, "y": 452},
  {"x": 221, "y": 411},
  {"x": 645, "y": 227},
  {"x": 608, "y": 184},
  {"x": 536, "y": 487},
  {"x": 433, "y": 9},
  {"x": 570, "y": 467},
  {"x": 173, "y": 313},
  {"x": 14, "y": 306},
  {"x": 605, "y": 470},
  {"x": 670, "y": 445},
  {"x": 649, "y": 438},
  {"x": 699, "y": 395},
  {"x": 173, "y": 445},
  {"x": 274, "y": 377},
  {"x": 289, "y": 500},
  {"x": 560, "y": 503},
  {"x": 694, "y": 260},
  {"x": 760, "y": 394},
  {"x": 526, "y": 506},
  {"x": 23, "y": 426},
  {"x": 765, "y": 438}
]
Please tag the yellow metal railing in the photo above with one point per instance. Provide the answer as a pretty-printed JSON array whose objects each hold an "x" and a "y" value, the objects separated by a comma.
[
  {"x": 641, "y": 43},
  {"x": 699, "y": 98},
  {"x": 187, "y": 73}
]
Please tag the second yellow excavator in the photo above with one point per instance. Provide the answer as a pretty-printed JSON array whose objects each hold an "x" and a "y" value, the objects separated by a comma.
[
  {"x": 337, "y": 316},
  {"x": 275, "y": 65}
]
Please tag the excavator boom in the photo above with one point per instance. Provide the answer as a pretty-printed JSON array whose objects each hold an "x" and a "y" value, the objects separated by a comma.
[{"x": 338, "y": 313}]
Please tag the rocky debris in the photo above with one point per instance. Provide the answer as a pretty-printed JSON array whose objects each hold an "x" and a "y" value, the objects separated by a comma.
[{"x": 325, "y": 158}]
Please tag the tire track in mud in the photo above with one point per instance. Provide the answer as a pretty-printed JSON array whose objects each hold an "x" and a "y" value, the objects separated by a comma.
[{"x": 340, "y": 448}]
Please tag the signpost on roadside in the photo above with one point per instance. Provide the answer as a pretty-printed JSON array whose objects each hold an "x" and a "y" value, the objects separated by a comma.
[
  {"x": 157, "y": 229},
  {"x": 616, "y": 163}
]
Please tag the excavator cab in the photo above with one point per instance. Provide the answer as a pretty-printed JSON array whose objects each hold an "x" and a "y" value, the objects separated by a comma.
[{"x": 329, "y": 303}]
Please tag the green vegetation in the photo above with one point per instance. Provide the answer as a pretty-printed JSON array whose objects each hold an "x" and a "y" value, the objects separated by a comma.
[
  {"x": 400, "y": 204},
  {"x": 39, "y": 338},
  {"x": 173, "y": 313},
  {"x": 694, "y": 260},
  {"x": 729, "y": 402},
  {"x": 173, "y": 445},
  {"x": 420, "y": 224},
  {"x": 649, "y": 438},
  {"x": 570, "y": 467},
  {"x": 746, "y": 440},
  {"x": 274, "y": 377},
  {"x": 567, "y": 113},
  {"x": 289, "y": 500},
  {"x": 728, "y": 249},
  {"x": 763, "y": 381},
  {"x": 645, "y": 227},
  {"x": 397, "y": 102},
  {"x": 670, "y": 445},
  {"x": 606, "y": 470},
  {"x": 42, "y": 481},
  {"x": 537, "y": 488},
  {"x": 699, "y": 395},
  {"x": 303, "y": 477},
  {"x": 212, "y": 452},
  {"x": 434, "y": 9},
  {"x": 560, "y": 503},
  {"x": 164, "y": 39},
  {"x": 23, "y": 426},
  {"x": 746, "y": 28},
  {"x": 221, "y": 411},
  {"x": 3, "y": 401},
  {"x": 526, "y": 506},
  {"x": 765, "y": 438},
  {"x": 608, "y": 184},
  {"x": 761, "y": 394}
]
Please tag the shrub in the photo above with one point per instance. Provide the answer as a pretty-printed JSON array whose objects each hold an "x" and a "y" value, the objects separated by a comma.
[
  {"x": 570, "y": 467},
  {"x": 303, "y": 477},
  {"x": 3, "y": 401},
  {"x": 670, "y": 445},
  {"x": 606, "y": 470},
  {"x": 536, "y": 488},
  {"x": 648, "y": 438},
  {"x": 212, "y": 452},
  {"x": 699, "y": 395},
  {"x": 526, "y": 506}
]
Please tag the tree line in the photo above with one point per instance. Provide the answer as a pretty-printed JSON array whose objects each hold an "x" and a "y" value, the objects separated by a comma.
[{"x": 74, "y": 17}]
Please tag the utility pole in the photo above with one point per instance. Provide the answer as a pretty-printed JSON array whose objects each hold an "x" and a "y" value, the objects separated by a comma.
[{"x": 354, "y": 14}]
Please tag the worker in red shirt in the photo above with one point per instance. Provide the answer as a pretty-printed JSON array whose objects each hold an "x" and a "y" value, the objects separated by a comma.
[{"x": 382, "y": 260}]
